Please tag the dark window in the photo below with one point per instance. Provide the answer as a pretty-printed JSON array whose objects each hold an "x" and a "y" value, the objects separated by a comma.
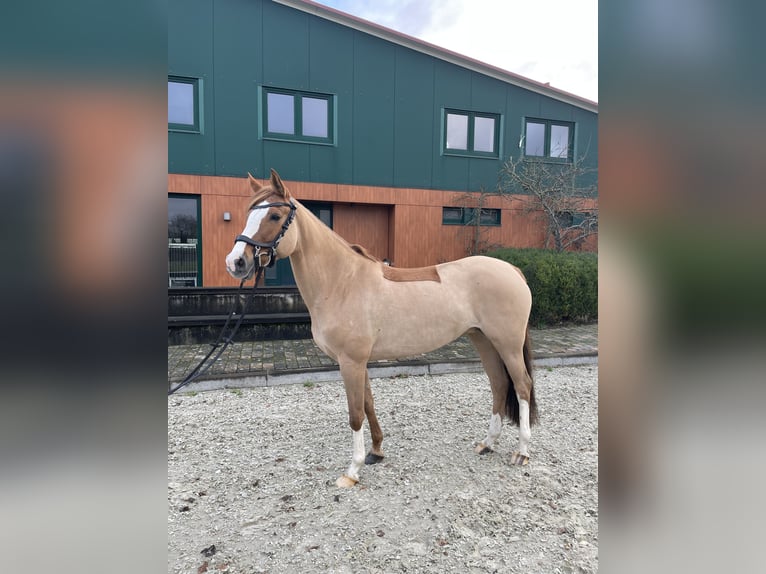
[
  {"x": 549, "y": 139},
  {"x": 452, "y": 215},
  {"x": 298, "y": 116},
  {"x": 471, "y": 133},
  {"x": 184, "y": 109},
  {"x": 576, "y": 219},
  {"x": 489, "y": 217},
  {"x": 468, "y": 215},
  {"x": 184, "y": 250},
  {"x": 565, "y": 218}
]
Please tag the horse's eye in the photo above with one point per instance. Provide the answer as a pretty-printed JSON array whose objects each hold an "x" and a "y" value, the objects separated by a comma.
[{"x": 275, "y": 217}]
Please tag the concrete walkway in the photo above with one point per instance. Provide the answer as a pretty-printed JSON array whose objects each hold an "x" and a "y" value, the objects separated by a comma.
[{"x": 264, "y": 363}]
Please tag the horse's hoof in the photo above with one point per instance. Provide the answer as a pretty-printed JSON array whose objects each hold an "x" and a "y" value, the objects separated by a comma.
[
  {"x": 372, "y": 458},
  {"x": 345, "y": 482},
  {"x": 519, "y": 459},
  {"x": 481, "y": 448}
]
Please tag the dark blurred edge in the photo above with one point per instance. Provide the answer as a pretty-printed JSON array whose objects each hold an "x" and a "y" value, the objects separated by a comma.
[
  {"x": 82, "y": 207},
  {"x": 682, "y": 277}
]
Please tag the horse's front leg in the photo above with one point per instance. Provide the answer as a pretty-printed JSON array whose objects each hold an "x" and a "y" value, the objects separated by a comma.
[
  {"x": 376, "y": 452},
  {"x": 354, "y": 376}
]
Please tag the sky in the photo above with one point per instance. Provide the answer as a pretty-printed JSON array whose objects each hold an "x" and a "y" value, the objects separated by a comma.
[{"x": 552, "y": 41}]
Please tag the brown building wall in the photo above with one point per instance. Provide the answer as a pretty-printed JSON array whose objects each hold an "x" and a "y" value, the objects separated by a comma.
[
  {"x": 403, "y": 225},
  {"x": 366, "y": 225}
]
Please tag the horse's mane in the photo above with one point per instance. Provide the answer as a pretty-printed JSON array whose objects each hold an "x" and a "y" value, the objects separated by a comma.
[
  {"x": 362, "y": 251},
  {"x": 353, "y": 247}
]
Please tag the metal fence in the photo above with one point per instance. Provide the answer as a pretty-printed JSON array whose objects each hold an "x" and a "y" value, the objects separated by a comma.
[{"x": 182, "y": 265}]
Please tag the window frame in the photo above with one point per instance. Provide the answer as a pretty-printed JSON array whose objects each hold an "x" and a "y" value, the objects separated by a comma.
[
  {"x": 467, "y": 215},
  {"x": 547, "y": 140},
  {"x": 297, "y": 136},
  {"x": 197, "y": 126},
  {"x": 198, "y": 200},
  {"x": 470, "y": 136},
  {"x": 574, "y": 218}
]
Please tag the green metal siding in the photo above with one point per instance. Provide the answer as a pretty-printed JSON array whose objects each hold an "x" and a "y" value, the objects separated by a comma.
[
  {"x": 487, "y": 95},
  {"x": 452, "y": 89},
  {"x": 373, "y": 111},
  {"x": 285, "y": 45},
  {"x": 389, "y": 100},
  {"x": 416, "y": 130},
  {"x": 190, "y": 54},
  {"x": 238, "y": 62},
  {"x": 331, "y": 59}
]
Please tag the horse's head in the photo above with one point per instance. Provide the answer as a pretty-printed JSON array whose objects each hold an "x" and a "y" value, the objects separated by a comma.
[{"x": 267, "y": 229}]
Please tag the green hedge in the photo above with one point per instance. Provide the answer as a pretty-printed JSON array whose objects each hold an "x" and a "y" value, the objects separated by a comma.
[{"x": 564, "y": 285}]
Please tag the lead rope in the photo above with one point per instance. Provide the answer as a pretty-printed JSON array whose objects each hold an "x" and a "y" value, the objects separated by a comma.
[{"x": 202, "y": 368}]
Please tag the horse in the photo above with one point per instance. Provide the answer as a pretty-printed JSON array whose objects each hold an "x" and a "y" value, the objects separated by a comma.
[{"x": 363, "y": 310}]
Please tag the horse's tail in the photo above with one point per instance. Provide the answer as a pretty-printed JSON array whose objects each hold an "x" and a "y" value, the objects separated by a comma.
[{"x": 511, "y": 401}]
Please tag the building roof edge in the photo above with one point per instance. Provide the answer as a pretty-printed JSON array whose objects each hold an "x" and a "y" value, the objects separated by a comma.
[{"x": 435, "y": 51}]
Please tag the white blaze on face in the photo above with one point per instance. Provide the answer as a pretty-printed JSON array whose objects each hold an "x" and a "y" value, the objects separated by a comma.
[{"x": 251, "y": 227}]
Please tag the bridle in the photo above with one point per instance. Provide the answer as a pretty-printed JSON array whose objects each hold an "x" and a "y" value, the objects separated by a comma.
[{"x": 271, "y": 245}]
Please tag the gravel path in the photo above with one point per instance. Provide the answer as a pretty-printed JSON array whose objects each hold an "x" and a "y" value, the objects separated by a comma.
[{"x": 252, "y": 472}]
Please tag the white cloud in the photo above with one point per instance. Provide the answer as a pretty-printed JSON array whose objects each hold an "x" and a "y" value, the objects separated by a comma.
[{"x": 552, "y": 41}]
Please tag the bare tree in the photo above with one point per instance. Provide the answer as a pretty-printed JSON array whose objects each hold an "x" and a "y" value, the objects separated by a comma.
[{"x": 562, "y": 193}]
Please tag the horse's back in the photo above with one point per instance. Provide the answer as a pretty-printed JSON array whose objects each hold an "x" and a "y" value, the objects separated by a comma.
[
  {"x": 488, "y": 282},
  {"x": 482, "y": 268}
]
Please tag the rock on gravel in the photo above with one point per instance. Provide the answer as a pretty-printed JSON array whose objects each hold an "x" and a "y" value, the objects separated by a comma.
[{"x": 251, "y": 480}]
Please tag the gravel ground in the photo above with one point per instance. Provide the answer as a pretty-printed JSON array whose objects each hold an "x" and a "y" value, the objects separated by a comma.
[{"x": 252, "y": 473}]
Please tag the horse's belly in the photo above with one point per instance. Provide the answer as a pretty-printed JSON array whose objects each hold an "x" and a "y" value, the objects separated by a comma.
[{"x": 416, "y": 339}]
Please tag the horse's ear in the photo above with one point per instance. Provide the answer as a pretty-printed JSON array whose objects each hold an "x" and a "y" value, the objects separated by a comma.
[
  {"x": 254, "y": 185},
  {"x": 276, "y": 183}
]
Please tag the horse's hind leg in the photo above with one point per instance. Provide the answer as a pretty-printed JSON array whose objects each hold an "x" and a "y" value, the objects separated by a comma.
[
  {"x": 376, "y": 452},
  {"x": 354, "y": 376},
  {"x": 523, "y": 409},
  {"x": 500, "y": 384},
  {"x": 509, "y": 367}
]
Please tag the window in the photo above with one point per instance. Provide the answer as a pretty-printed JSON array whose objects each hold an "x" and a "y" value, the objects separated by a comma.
[
  {"x": 184, "y": 109},
  {"x": 184, "y": 249},
  {"x": 471, "y": 133},
  {"x": 467, "y": 216},
  {"x": 577, "y": 219},
  {"x": 297, "y": 116},
  {"x": 549, "y": 139}
]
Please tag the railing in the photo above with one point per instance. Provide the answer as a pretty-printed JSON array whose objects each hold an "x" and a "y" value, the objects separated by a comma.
[
  {"x": 182, "y": 265},
  {"x": 196, "y": 315}
]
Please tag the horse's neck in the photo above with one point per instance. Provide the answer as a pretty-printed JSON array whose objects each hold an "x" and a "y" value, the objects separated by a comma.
[{"x": 321, "y": 260}]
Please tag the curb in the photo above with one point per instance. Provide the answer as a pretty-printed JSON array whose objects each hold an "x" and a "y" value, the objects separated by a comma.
[{"x": 376, "y": 371}]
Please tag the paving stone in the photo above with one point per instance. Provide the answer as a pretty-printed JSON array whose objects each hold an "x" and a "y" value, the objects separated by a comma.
[{"x": 255, "y": 359}]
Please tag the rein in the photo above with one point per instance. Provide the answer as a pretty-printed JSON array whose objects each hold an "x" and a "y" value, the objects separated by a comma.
[{"x": 201, "y": 367}]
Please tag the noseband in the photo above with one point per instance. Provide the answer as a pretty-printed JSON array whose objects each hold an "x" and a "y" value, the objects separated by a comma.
[{"x": 272, "y": 245}]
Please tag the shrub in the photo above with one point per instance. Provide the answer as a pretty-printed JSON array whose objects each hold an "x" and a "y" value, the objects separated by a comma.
[{"x": 564, "y": 285}]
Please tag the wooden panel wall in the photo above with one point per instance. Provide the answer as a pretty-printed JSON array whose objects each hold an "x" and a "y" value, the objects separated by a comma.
[
  {"x": 403, "y": 225},
  {"x": 366, "y": 225}
]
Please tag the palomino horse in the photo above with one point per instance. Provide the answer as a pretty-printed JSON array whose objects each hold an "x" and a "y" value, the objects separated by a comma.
[{"x": 363, "y": 310}]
